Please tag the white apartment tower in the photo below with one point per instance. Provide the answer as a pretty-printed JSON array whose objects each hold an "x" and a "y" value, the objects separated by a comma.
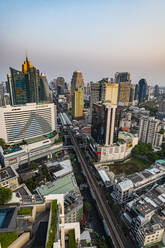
[{"x": 149, "y": 129}]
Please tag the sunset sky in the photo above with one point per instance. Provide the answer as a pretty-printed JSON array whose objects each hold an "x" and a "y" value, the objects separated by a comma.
[{"x": 97, "y": 37}]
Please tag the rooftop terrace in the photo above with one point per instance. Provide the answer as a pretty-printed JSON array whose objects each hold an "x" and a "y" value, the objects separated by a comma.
[{"x": 60, "y": 186}]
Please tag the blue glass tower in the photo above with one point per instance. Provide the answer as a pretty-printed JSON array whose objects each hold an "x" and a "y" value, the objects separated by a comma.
[{"x": 142, "y": 90}]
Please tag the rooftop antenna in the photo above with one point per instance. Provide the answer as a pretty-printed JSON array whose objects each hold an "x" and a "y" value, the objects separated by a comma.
[{"x": 26, "y": 55}]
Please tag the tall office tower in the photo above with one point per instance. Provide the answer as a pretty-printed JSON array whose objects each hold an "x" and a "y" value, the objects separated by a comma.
[
  {"x": 132, "y": 93},
  {"x": 142, "y": 90},
  {"x": 109, "y": 92},
  {"x": 44, "y": 90},
  {"x": 78, "y": 103},
  {"x": 161, "y": 108},
  {"x": 26, "y": 86},
  {"x": 32, "y": 77},
  {"x": 122, "y": 77},
  {"x": 156, "y": 91},
  {"x": 103, "y": 90},
  {"x": 124, "y": 93},
  {"x": 27, "y": 121},
  {"x": 87, "y": 90},
  {"x": 136, "y": 92},
  {"x": 77, "y": 81},
  {"x": 77, "y": 94},
  {"x": 61, "y": 85},
  {"x": 95, "y": 94},
  {"x": 149, "y": 128},
  {"x": 117, "y": 123},
  {"x": 103, "y": 123}
]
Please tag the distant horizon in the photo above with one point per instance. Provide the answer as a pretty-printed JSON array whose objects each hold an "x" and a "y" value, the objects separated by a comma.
[
  {"x": 99, "y": 38},
  {"x": 69, "y": 81}
]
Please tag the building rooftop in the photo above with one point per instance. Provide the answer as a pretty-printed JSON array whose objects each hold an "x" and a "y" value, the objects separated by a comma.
[
  {"x": 36, "y": 139},
  {"x": 61, "y": 168},
  {"x": 60, "y": 186},
  {"x": 160, "y": 161},
  {"x": 126, "y": 184},
  {"x": 7, "y": 173},
  {"x": 104, "y": 176},
  {"x": 125, "y": 135},
  {"x": 150, "y": 201}
]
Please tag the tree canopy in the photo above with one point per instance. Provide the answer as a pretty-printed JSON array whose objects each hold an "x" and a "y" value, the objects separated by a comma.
[
  {"x": 2, "y": 142},
  {"x": 5, "y": 195}
]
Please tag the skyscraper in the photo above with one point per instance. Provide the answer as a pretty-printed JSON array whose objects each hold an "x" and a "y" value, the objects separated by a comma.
[
  {"x": 44, "y": 91},
  {"x": 149, "y": 129},
  {"x": 132, "y": 93},
  {"x": 156, "y": 90},
  {"x": 27, "y": 86},
  {"x": 122, "y": 77},
  {"x": 136, "y": 92},
  {"x": 124, "y": 93},
  {"x": 103, "y": 90},
  {"x": 142, "y": 91},
  {"x": 77, "y": 94},
  {"x": 103, "y": 123},
  {"x": 78, "y": 103},
  {"x": 77, "y": 81}
]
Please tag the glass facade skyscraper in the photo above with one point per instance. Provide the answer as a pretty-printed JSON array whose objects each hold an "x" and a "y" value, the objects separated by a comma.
[
  {"x": 28, "y": 85},
  {"x": 142, "y": 90}
]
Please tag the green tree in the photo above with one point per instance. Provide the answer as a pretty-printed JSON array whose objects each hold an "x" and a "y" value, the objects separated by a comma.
[
  {"x": 71, "y": 237},
  {"x": 34, "y": 165},
  {"x": 87, "y": 207},
  {"x": 116, "y": 208},
  {"x": 30, "y": 183},
  {"x": 5, "y": 195},
  {"x": 2, "y": 142}
]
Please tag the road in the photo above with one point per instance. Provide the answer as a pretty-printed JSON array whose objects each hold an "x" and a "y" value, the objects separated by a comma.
[{"x": 117, "y": 236}]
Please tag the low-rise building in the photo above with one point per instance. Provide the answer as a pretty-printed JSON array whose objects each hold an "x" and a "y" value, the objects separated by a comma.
[
  {"x": 119, "y": 151},
  {"x": 146, "y": 216},
  {"x": 8, "y": 178},
  {"x": 150, "y": 234},
  {"x": 60, "y": 168},
  {"x": 33, "y": 149},
  {"x": 20, "y": 218},
  {"x": 73, "y": 200},
  {"x": 123, "y": 191}
]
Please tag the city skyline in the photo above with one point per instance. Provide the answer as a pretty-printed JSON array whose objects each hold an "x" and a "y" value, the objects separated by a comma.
[{"x": 98, "y": 38}]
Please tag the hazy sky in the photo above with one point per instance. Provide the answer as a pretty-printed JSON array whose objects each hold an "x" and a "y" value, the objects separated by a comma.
[{"x": 97, "y": 37}]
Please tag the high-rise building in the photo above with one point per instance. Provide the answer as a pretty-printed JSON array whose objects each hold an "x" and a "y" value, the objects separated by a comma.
[
  {"x": 103, "y": 90},
  {"x": 161, "y": 108},
  {"x": 61, "y": 85},
  {"x": 156, "y": 91},
  {"x": 27, "y": 86},
  {"x": 124, "y": 93},
  {"x": 26, "y": 121},
  {"x": 149, "y": 129},
  {"x": 132, "y": 93},
  {"x": 109, "y": 92},
  {"x": 44, "y": 91},
  {"x": 142, "y": 91},
  {"x": 77, "y": 94},
  {"x": 78, "y": 103},
  {"x": 122, "y": 77},
  {"x": 77, "y": 81},
  {"x": 103, "y": 123},
  {"x": 136, "y": 92}
]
